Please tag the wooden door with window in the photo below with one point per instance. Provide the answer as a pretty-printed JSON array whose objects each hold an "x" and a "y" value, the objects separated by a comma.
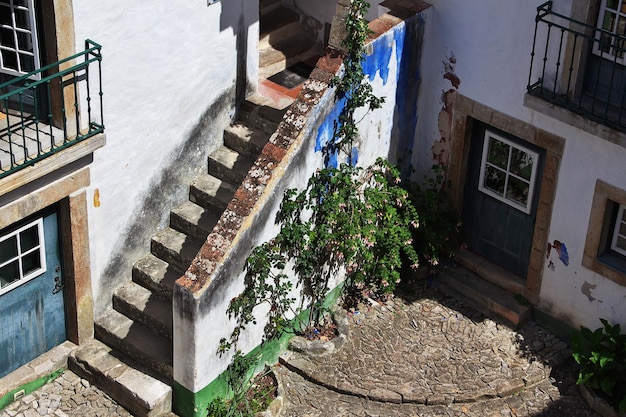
[
  {"x": 32, "y": 305},
  {"x": 501, "y": 196}
]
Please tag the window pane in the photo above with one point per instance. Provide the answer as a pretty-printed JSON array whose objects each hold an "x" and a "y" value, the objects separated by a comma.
[
  {"x": 24, "y": 41},
  {"x": 31, "y": 262},
  {"x": 521, "y": 164},
  {"x": 27, "y": 63},
  {"x": 494, "y": 180},
  {"x": 8, "y": 249},
  {"x": 9, "y": 273},
  {"x": 609, "y": 21},
  {"x": 22, "y": 19},
  {"x": 5, "y": 15},
  {"x": 612, "y": 4},
  {"x": 498, "y": 153},
  {"x": 517, "y": 191},
  {"x": 7, "y": 38},
  {"x": 622, "y": 229},
  {"x": 621, "y": 243},
  {"x": 29, "y": 239}
]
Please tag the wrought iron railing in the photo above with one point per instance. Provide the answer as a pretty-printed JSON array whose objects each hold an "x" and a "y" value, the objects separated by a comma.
[
  {"x": 42, "y": 117},
  {"x": 579, "y": 67}
]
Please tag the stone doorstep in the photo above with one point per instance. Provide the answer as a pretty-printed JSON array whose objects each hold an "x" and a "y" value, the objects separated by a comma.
[
  {"x": 483, "y": 295},
  {"x": 49, "y": 362},
  {"x": 140, "y": 393}
]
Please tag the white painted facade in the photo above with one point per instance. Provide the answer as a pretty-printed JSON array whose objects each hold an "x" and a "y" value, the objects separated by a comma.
[
  {"x": 163, "y": 67},
  {"x": 491, "y": 42}
]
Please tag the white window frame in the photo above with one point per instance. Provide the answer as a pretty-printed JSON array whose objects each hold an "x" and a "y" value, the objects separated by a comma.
[
  {"x": 619, "y": 221},
  {"x": 533, "y": 176},
  {"x": 42, "y": 255},
  {"x": 32, "y": 33},
  {"x": 596, "y": 45}
]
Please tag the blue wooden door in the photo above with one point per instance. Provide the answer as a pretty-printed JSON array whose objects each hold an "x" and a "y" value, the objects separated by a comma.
[
  {"x": 501, "y": 196},
  {"x": 32, "y": 305}
]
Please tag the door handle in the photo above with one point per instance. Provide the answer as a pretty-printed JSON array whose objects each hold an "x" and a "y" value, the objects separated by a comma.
[{"x": 58, "y": 285}]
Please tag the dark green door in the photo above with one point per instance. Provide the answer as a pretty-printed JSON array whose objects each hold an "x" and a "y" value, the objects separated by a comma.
[
  {"x": 501, "y": 196},
  {"x": 32, "y": 305}
]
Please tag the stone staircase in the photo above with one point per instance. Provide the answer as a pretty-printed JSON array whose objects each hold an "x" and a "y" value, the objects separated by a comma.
[
  {"x": 282, "y": 41},
  {"x": 131, "y": 357}
]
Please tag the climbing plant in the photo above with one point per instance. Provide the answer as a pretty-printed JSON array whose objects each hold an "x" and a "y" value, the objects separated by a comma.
[{"x": 348, "y": 220}]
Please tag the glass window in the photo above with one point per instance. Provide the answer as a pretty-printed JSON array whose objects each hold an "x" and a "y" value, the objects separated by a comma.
[
  {"x": 508, "y": 171},
  {"x": 18, "y": 38},
  {"x": 618, "y": 242},
  {"x": 22, "y": 255},
  {"x": 611, "y": 40}
]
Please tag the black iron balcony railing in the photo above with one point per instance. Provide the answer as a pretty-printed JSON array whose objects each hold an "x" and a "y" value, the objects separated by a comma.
[
  {"x": 579, "y": 67},
  {"x": 39, "y": 118}
]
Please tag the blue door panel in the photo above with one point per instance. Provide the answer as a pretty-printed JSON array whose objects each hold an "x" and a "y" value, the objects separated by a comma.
[{"x": 33, "y": 314}]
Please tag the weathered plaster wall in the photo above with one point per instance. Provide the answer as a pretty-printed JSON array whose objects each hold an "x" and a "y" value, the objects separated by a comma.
[
  {"x": 216, "y": 275},
  {"x": 169, "y": 81},
  {"x": 483, "y": 51}
]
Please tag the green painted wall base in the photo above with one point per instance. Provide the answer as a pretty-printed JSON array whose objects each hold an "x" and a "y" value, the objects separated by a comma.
[
  {"x": 28, "y": 388},
  {"x": 190, "y": 404}
]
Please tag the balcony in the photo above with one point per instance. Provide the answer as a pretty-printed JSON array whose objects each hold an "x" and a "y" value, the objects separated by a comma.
[
  {"x": 580, "y": 68},
  {"x": 50, "y": 110}
]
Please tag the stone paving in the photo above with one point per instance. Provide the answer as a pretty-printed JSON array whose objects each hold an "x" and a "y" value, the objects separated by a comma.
[
  {"x": 68, "y": 395},
  {"x": 428, "y": 354},
  {"x": 421, "y": 354}
]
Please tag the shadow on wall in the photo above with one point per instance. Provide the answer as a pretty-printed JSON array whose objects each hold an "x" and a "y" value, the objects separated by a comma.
[
  {"x": 240, "y": 16},
  {"x": 408, "y": 55}
]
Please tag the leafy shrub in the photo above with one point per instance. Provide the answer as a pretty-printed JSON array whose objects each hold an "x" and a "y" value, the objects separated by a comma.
[
  {"x": 439, "y": 232},
  {"x": 601, "y": 355},
  {"x": 350, "y": 218}
]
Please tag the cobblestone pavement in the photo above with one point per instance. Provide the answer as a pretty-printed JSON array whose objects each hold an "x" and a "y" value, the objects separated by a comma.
[
  {"x": 68, "y": 395},
  {"x": 421, "y": 354},
  {"x": 428, "y": 354}
]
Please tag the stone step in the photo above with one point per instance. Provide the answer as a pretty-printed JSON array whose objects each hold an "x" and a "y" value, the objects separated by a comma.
[
  {"x": 264, "y": 108},
  {"x": 208, "y": 191},
  {"x": 175, "y": 247},
  {"x": 136, "y": 341},
  {"x": 240, "y": 138},
  {"x": 266, "y": 6},
  {"x": 193, "y": 220},
  {"x": 276, "y": 25},
  {"x": 138, "y": 392},
  {"x": 156, "y": 275},
  {"x": 483, "y": 294},
  {"x": 229, "y": 165},
  {"x": 284, "y": 53},
  {"x": 143, "y": 306}
]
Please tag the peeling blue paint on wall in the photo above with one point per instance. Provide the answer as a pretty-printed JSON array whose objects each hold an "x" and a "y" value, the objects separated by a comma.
[
  {"x": 407, "y": 40},
  {"x": 378, "y": 61},
  {"x": 326, "y": 133}
]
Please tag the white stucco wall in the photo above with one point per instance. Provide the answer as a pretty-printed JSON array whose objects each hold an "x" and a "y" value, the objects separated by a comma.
[
  {"x": 164, "y": 65},
  {"x": 491, "y": 42}
]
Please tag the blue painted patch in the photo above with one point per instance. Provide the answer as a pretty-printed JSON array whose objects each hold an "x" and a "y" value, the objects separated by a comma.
[
  {"x": 378, "y": 61},
  {"x": 563, "y": 255},
  {"x": 355, "y": 156}
]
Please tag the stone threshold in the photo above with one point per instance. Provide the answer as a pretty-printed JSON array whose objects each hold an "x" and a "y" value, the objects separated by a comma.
[{"x": 40, "y": 367}]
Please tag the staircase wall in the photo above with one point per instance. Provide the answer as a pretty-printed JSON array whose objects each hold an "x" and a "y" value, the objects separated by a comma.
[
  {"x": 216, "y": 275},
  {"x": 166, "y": 109}
]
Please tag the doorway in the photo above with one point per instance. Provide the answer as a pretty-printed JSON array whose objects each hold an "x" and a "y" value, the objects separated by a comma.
[{"x": 501, "y": 197}]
